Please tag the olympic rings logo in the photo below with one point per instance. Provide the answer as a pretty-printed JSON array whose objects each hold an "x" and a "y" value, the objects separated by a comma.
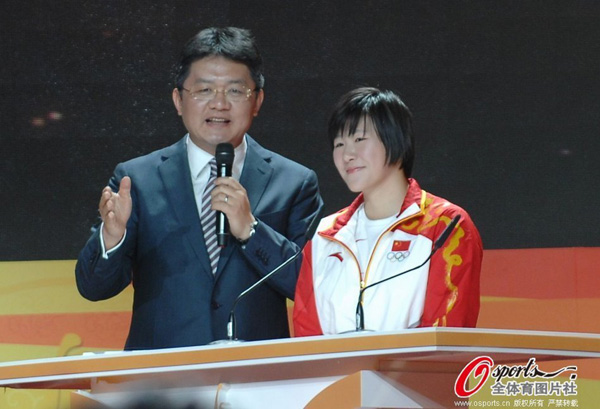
[{"x": 394, "y": 256}]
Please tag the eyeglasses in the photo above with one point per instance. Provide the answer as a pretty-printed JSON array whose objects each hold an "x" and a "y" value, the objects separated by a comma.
[{"x": 234, "y": 93}]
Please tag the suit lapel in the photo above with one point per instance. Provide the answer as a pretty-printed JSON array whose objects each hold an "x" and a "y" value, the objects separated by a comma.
[
  {"x": 256, "y": 174},
  {"x": 175, "y": 175},
  {"x": 255, "y": 178}
]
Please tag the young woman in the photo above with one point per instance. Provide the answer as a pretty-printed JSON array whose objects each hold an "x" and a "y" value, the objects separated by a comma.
[{"x": 389, "y": 228}]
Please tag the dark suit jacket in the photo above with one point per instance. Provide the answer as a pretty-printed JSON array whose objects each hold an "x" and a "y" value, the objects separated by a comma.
[{"x": 177, "y": 300}]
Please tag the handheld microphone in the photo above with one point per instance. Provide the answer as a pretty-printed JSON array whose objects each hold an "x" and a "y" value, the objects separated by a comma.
[
  {"x": 224, "y": 156},
  {"x": 360, "y": 313},
  {"x": 310, "y": 232}
]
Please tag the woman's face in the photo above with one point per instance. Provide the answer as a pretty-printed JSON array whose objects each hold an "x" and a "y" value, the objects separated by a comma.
[{"x": 360, "y": 159}]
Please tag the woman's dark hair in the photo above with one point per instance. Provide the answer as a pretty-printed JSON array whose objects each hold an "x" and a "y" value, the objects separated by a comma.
[{"x": 390, "y": 117}]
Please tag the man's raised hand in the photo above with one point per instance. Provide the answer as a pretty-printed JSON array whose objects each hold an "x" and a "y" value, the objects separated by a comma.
[{"x": 115, "y": 209}]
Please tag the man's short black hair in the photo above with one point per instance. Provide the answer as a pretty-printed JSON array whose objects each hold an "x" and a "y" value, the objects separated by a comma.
[{"x": 236, "y": 44}]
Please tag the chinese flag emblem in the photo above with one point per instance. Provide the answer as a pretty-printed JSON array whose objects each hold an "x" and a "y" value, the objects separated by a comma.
[{"x": 401, "y": 245}]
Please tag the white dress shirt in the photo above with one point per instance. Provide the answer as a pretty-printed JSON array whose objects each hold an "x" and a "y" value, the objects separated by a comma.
[{"x": 200, "y": 168}]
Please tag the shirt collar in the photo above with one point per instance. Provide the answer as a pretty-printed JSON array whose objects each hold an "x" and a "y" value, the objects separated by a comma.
[{"x": 199, "y": 158}]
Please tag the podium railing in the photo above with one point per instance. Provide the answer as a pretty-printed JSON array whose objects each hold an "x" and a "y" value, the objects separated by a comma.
[{"x": 413, "y": 368}]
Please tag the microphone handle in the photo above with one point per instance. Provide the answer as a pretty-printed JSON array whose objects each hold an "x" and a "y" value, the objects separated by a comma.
[
  {"x": 231, "y": 333},
  {"x": 223, "y": 170},
  {"x": 312, "y": 228},
  {"x": 397, "y": 275},
  {"x": 360, "y": 315}
]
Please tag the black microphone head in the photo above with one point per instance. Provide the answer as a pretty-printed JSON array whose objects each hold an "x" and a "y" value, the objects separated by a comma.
[
  {"x": 224, "y": 154},
  {"x": 312, "y": 227},
  {"x": 446, "y": 233}
]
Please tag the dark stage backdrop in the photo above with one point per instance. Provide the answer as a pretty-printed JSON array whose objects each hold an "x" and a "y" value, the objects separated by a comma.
[{"x": 505, "y": 96}]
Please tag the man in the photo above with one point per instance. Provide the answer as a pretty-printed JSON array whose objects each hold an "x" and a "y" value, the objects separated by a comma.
[{"x": 152, "y": 233}]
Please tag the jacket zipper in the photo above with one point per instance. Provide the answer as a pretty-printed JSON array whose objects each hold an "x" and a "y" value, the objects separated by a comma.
[{"x": 363, "y": 282}]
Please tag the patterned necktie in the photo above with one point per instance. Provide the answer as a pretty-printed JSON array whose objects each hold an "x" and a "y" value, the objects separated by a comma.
[{"x": 208, "y": 219}]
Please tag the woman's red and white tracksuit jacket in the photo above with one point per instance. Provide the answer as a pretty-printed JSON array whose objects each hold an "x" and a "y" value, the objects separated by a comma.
[{"x": 443, "y": 292}]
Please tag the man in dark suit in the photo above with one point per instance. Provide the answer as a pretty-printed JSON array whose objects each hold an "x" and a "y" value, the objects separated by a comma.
[{"x": 151, "y": 232}]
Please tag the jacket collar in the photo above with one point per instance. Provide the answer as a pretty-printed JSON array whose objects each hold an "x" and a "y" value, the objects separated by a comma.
[{"x": 414, "y": 199}]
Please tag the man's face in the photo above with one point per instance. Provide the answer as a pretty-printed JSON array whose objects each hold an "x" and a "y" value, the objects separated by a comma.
[{"x": 217, "y": 119}]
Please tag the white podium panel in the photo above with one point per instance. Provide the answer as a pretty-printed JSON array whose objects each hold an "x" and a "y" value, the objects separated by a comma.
[{"x": 414, "y": 368}]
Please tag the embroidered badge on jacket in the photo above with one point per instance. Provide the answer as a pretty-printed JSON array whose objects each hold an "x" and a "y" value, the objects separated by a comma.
[{"x": 400, "y": 251}]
